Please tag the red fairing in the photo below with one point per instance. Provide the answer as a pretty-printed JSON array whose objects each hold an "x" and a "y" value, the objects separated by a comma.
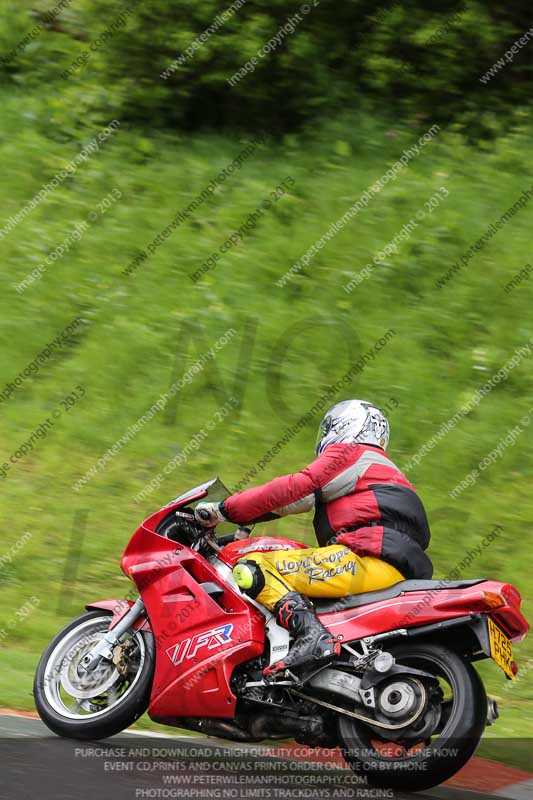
[
  {"x": 242, "y": 548},
  {"x": 199, "y": 639},
  {"x": 119, "y": 609}
]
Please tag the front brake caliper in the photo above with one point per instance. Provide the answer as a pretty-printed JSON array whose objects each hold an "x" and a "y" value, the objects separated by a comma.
[{"x": 121, "y": 655}]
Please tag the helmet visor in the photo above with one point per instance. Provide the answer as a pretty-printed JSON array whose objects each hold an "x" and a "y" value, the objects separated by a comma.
[{"x": 323, "y": 429}]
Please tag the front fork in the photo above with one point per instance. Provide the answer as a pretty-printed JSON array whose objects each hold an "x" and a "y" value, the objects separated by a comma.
[{"x": 104, "y": 648}]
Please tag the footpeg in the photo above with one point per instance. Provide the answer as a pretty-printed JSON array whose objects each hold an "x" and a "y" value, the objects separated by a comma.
[{"x": 283, "y": 677}]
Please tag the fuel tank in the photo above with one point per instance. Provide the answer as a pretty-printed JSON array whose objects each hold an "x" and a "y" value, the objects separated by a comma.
[{"x": 242, "y": 548}]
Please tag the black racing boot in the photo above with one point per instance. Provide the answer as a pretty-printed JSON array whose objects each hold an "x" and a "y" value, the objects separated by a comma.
[{"x": 312, "y": 642}]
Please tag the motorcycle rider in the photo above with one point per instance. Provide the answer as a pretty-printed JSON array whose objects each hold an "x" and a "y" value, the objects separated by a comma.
[{"x": 369, "y": 522}]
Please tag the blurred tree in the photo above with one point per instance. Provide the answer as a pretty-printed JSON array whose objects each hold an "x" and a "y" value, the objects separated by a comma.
[{"x": 276, "y": 64}]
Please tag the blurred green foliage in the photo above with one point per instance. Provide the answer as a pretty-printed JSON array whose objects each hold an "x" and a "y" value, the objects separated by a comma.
[{"x": 392, "y": 56}]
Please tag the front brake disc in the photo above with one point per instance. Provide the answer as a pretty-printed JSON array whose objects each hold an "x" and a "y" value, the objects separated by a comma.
[{"x": 84, "y": 685}]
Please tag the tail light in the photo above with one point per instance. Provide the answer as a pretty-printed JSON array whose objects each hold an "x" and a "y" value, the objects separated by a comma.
[
  {"x": 512, "y": 595},
  {"x": 482, "y": 602},
  {"x": 509, "y": 618},
  {"x": 493, "y": 600}
]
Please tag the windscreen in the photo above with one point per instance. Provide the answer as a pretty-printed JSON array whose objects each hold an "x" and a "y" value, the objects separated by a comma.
[{"x": 216, "y": 491}]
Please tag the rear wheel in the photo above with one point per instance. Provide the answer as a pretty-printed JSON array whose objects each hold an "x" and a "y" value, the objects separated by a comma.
[
  {"x": 93, "y": 705},
  {"x": 443, "y": 737}
]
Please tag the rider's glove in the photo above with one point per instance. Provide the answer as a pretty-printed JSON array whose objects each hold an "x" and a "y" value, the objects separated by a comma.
[{"x": 209, "y": 514}]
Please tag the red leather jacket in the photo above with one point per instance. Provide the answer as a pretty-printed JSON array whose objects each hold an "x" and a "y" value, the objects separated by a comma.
[{"x": 357, "y": 492}]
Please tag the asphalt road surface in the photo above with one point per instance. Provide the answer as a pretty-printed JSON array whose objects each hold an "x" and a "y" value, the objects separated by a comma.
[{"x": 35, "y": 764}]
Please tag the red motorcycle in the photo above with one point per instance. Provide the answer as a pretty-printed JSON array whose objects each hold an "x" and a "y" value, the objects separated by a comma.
[{"x": 402, "y": 701}]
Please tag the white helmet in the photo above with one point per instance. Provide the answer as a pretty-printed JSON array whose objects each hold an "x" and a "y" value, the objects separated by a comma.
[{"x": 352, "y": 421}]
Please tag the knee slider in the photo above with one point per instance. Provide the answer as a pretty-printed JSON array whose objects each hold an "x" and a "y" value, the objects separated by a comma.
[{"x": 249, "y": 577}]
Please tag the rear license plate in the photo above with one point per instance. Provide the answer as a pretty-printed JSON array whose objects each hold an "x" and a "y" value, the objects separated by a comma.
[{"x": 501, "y": 648}]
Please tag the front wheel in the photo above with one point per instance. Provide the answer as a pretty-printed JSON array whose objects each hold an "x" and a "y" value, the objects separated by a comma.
[
  {"x": 443, "y": 738},
  {"x": 93, "y": 705}
]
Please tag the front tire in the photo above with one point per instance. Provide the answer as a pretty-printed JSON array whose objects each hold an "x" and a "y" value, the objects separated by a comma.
[
  {"x": 463, "y": 719},
  {"x": 80, "y": 705}
]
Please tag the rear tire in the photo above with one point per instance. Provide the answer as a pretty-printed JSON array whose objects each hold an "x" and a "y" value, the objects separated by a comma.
[
  {"x": 441, "y": 757},
  {"x": 91, "y": 719}
]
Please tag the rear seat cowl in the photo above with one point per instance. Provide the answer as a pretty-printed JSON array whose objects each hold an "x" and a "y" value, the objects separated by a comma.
[{"x": 330, "y": 606}]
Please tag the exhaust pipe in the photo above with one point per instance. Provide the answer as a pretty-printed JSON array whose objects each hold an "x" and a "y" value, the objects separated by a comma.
[
  {"x": 269, "y": 726},
  {"x": 222, "y": 729},
  {"x": 492, "y": 711},
  {"x": 263, "y": 726}
]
